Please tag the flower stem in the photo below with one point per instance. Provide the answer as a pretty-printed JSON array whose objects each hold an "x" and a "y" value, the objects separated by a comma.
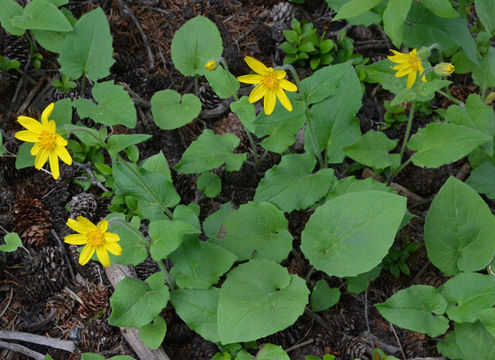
[
  {"x": 450, "y": 97},
  {"x": 163, "y": 269}
]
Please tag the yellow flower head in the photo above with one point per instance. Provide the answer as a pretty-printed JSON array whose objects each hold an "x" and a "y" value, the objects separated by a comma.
[
  {"x": 48, "y": 145},
  {"x": 408, "y": 64},
  {"x": 211, "y": 65},
  {"x": 444, "y": 69},
  {"x": 95, "y": 237},
  {"x": 271, "y": 85}
]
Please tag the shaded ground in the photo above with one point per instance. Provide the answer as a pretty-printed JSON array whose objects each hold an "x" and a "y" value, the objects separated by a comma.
[{"x": 44, "y": 290}]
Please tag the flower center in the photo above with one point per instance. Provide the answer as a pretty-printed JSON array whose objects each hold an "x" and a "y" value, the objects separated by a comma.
[
  {"x": 270, "y": 80},
  {"x": 47, "y": 140},
  {"x": 95, "y": 238}
]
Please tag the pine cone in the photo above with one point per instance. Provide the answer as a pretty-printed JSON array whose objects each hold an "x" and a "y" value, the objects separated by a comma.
[
  {"x": 147, "y": 268},
  {"x": 351, "y": 347},
  {"x": 46, "y": 273},
  {"x": 95, "y": 300},
  {"x": 265, "y": 40},
  {"x": 17, "y": 48},
  {"x": 32, "y": 222},
  {"x": 208, "y": 97},
  {"x": 64, "y": 305},
  {"x": 83, "y": 204},
  {"x": 282, "y": 12}
]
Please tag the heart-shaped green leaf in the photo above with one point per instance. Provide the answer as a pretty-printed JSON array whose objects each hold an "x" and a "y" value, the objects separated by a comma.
[{"x": 170, "y": 111}]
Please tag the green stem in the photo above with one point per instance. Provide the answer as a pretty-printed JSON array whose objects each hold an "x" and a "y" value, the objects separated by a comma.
[
  {"x": 408, "y": 129},
  {"x": 138, "y": 176},
  {"x": 98, "y": 140},
  {"x": 450, "y": 97},
  {"x": 163, "y": 269},
  {"x": 83, "y": 84}
]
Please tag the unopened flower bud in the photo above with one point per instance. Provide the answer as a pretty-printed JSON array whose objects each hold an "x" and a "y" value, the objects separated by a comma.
[
  {"x": 444, "y": 69},
  {"x": 211, "y": 65}
]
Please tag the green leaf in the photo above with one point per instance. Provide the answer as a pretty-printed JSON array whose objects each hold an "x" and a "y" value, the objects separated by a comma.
[
  {"x": 288, "y": 48},
  {"x": 323, "y": 82},
  {"x": 24, "y": 158},
  {"x": 171, "y": 111},
  {"x": 292, "y": 36},
  {"x": 418, "y": 308},
  {"x": 42, "y": 15},
  {"x": 281, "y": 126},
  {"x": 256, "y": 230},
  {"x": 323, "y": 297},
  {"x": 210, "y": 184},
  {"x": 354, "y": 8},
  {"x": 91, "y": 356},
  {"x": 334, "y": 121},
  {"x": 291, "y": 185},
  {"x": 372, "y": 149},
  {"x": 198, "y": 309},
  {"x": 132, "y": 241},
  {"x": 194, "y": 44},
  {"x": 257, "y": 299},
  {"x": 245, "y": 111},
  {"x": 271, "y": 352},
  {"x": 59, "y": 3},
  {"x": 199, "y": 264},
  {"x": 157, "y": 163},
  {"x": 10, "y": 10},
  {"x": 484, "y": 74},
  {"x": 474, "y": 114},
  {"x": 468, "y": 342},
  {"x": 394, "y": 18},
  {"x": 381, "y": 72},
  {"x": 153, "y": 333},
  {"x": 485, "y": 9},
  {"x": 353, "y": 228},
  {"x": 50, "y": 40},
  {"x": 167, "y": 236},
  {"x": 152, "y": 187},
  {"x": 358, "y": 284},
  {"x": 481, "y": 179},
  {"x": 135, "y": 303},
  {"x": 424, "y": 27},
  {"x": 351, "y": 184},
  {"x": 487, "y": 318},
  {"x": 459, "y": 229},
  {"x": 210, "y": 151},
  {"x": 117, "y": 143},
  {"x": 441, "y": 8},
  {"x": 114, "y": 105},
  {"x": 222, "y": 82},
  {"x": 88, "y": 49},
  {"x": 88, "y": 136},
  {"x": 213, "y": 223},
  {"x": 62, "y": 112},
  {"x": 188, "y": 214},
  {"x": 440, "y": 143},
  {"x": 468, "y": 294},
  {"x": 12, "y": 243}
]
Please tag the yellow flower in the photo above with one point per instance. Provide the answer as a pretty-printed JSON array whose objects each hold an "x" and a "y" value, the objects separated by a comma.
[
  {"x": 48, "y": 145},
  {"x": 211, "y": 65},
  {"x": 95, "y": 237},
  {"x": 444, "y": 69},
  {"x": 408, "y": 64},
  {"x": 271, "y": 85}
]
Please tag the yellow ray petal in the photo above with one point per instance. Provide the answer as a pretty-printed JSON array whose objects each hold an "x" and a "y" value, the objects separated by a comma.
[
  {"x": 411, "y": 79},
  {"x": 255, "y": 65},
  {"x": 78, "y": 226},
  {"x": 284, "y": 100},
  {"x": 250, "y": 79},
  {"x": 114, "y": 248},
  {"x": 54, "y": 164},
  {"x": 257, "y": 93},
  {"x": 35, "y": 149},
  {"x": 102, "y": 254},
  {"x": 46, "y": 114},
  {"x": 280, "y": 74},
  {"x": 86, "y": 254},
  {"x": 28, "y": 136},
  {"x": 63, "y": 154},
  {"x": 86, "y": 223},
  {"x": 76, "y": 239},
  {"x": 111, "y": 237},
  {"x": 41, "y": 159},
  {"x": 30, "y": 124},
  {"x": 287, "y": 85},
  {"x": 270, "y": 100},
  {"x": 102, "y": 226},
  {"x": 59, "y": 140}
]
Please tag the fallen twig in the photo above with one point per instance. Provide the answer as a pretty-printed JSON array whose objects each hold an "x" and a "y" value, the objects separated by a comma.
[
  {"x": 61, "y": 245},
  {"x": 22, "y": 350},
  {"x": 398, "y": 341},
  {"x": 304, "y": 343},
  {"x": 37, "y": 339}
]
